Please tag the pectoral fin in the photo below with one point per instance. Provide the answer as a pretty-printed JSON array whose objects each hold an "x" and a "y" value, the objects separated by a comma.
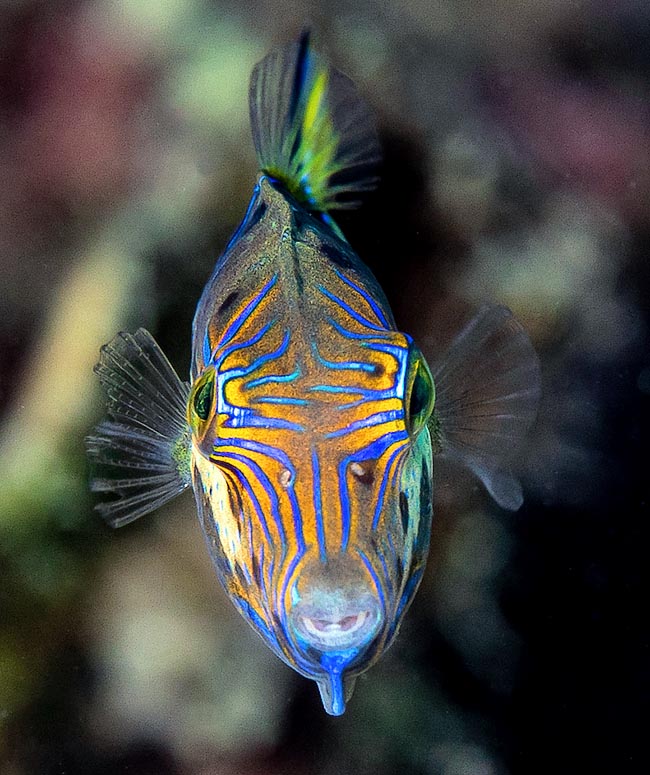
[
  {"x": 140, "y": 455},
  {"x": 487, "y": 392}
]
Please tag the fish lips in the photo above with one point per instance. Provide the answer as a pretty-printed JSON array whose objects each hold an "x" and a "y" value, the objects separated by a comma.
[{"x": 332, "y": 624}]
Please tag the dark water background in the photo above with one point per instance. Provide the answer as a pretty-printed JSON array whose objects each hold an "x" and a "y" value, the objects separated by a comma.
[{"x": 517, "y": 171}]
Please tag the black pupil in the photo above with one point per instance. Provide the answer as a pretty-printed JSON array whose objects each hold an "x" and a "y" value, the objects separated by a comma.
[
  {"x": 203, "y": 399},
  {"x": 420, "y": 395}
]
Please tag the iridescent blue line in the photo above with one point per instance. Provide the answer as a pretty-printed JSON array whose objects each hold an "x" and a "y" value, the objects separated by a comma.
[
  {"x": 281, "y": 457},
  {"x": 242, "y": 225},
  {"x": 280, "y": 400},
  {"x": 344, "y": 500},
  {"x": 409, "y": 590},
  {"x": 351, "y": 312},
  {"x": 246, "y": 418},
  {"x": 355, "y": 335},
  {"x": 244, "y": 483},
  {"x": 249, "y": 612},
  {"x": 258, "y": 362},
  {"x": 384, "y": 481},
  {"x": 273, "y": 378},
  {"x": 267, "y": 486},
  {"x": 391, "y": 545},
  {"x": 239, "y": 321},
  {"x": 355, "y": 391},
  {"x": 294, "y": 660},
  {"x": 241, "y": 345},
  {"x": 375, "y": 578},
  {"x": 246, "y": 572},
  {"x": 342, "y": 365},
  {"x": 318, "y": 506},
  {"x": 377, "y": 447},
  {"x": 387, "y": 575},
  {"x": 367, "y": 298},
  {"x": 378, "y": 418}
]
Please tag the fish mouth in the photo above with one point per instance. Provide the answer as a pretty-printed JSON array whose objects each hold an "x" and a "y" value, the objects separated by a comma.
[{"x": 337, "y": 630}]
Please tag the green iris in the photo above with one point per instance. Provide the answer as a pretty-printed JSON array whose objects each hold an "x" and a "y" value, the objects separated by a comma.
[
  {"x": 203, "y": 396},
  {"x": 422, "y": 395}
]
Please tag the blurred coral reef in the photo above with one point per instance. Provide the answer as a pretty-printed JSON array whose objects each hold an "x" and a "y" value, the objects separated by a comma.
[{"x": 517, "y": 171}]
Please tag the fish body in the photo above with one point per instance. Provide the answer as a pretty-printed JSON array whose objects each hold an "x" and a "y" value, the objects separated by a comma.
[{"x": 308, "y": 428}]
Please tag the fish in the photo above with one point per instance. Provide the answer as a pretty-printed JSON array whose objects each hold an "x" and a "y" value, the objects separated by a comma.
[{"x": 310, "y": 423}]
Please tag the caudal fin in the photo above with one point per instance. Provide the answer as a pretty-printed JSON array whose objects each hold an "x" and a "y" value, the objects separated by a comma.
[
  {"x": 487, "y": 392},
  {"x": 312, "y": 131},
  {"x": 140, "y": 456}
]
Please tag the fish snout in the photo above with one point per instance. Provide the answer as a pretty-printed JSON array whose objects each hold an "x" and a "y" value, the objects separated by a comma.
[{"x": 336, "y": 619}]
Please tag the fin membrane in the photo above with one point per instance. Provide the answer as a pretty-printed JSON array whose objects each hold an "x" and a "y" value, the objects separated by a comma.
[
  {"x": 140, "y": 456},
  {"x": 487, "y": 392},
  {"x": 311, "y": 130}
]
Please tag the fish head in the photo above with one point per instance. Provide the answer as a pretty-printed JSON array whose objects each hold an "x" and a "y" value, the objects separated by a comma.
[{"x": 311, "y": 456}]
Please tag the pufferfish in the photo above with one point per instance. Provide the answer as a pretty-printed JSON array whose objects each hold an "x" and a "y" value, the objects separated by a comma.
[{"x": 310, "y": 422}]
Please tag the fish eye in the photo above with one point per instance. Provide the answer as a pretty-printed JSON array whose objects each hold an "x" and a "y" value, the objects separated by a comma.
[
  {"x": 203, "y": 396},
  {"x": 421, "y": 396}
]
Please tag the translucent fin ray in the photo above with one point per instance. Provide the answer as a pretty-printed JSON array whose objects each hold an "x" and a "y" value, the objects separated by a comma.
[
  {"x": 487, "y": 392},
  {"x": 311, "y": 129},
  {"x": 139, "y": 456}
]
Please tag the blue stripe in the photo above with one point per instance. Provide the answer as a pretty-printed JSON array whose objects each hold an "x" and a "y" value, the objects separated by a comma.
[
  {"x": 409, "y": 591},
  {"x": 342, "y": 365},
  {"x": 207, "y": 351},
  {"x": 244, "y": 483},
  {"x": 382, "y": 489},
  {"x": 249, "y": 612},
  {"x": 245, "y": 571},
  {"x": 351, "y": 312},
  {"x": 318, "y": 506},
  {"x": 366, "y": 392},
  {"x": 379, "y": 418},
  {"x": 294, "y": 659},
  {"x": 246, "y": 418},
  {"x": 387, "y": 576},
  {"x": 377, "y": 447},
  {"x": 257, "y": 446},
  {"x": 345, "y": 503},
  {"x": 239, "y": 321},
  {"x": 280, "y": 400},
  {"x": 273, "y": 378},
  {"x": 266, "y": 484},
  {"x": 242, "y": 345},
  {"x": 242, "y": 225},
  {"x": 229, "y": 374},
  {"x": 366, "y": 297},
  {"x": 375, "y": 578},
  {"x": 355, "y": 335},
  {"x": 281, "y": 457}
]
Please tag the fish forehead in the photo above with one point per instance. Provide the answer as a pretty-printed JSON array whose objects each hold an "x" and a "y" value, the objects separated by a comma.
[{"x": 286, "y": 268}]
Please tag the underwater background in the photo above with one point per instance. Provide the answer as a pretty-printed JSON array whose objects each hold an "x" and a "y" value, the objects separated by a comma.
[{"x": 516, "y": 136}]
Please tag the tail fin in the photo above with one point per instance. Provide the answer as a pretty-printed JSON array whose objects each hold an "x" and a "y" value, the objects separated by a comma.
[
  {"x": 312, "y": 131},
  {"x": 487, "y": 392},
  {"x": 140, "y": 456}
]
